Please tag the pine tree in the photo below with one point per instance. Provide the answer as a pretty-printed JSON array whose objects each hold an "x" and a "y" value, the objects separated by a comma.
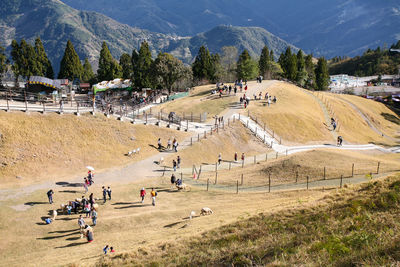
[
  {"x": 28, "y": 60},
  {"x": 215, "y": 72},
  {"x": 264, "y": 62},
  {"x": 322, "y": 75},
  {"x": 309, "y": 66},
  {"x": 135, "y": 60},
  {"x": 70, "y": 65},
  {"x": 202, "y": 64},
  {"x": 105, "y": 71},
  {"x": 3, "y": 64},
  {"x": 143, "y": 73},
  {"x": 246, "y": 67},
  {"x": 88, "y": 75},
  {"x": 301, "y": 76},
  {"x": 16, "y": 58},
  {"x": 44, "y": 64},
  {"x": 271, "y": 55},
  {"x": 125, "y": 61}
]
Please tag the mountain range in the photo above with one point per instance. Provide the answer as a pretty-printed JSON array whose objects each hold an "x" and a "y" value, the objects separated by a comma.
[
  {"x": 55, "y": 23},
  {"x": 322, "y": 27}
]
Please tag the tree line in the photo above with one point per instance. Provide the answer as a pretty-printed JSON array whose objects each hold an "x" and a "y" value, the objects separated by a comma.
[
  {"x": 166, "y": 71},
  {"x": 373, "y": 62}
]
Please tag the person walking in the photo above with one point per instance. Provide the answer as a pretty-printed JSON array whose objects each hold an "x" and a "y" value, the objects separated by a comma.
[
  {"x": 109, "y": 193},
  {"x": 81, "y": 224},
  {"x": 50, "y": 194},
  {"x": 94, "y": 216},
  {"x": 90, "y": 177},
  {"x": 86, "y": 185},
  {"x": 153, "y": 197},
  {"x": 178, "y": 162},
  {"x": 174, "y": 165},
  {"x": 219, "y": 158},
  {"x": 169, "y": 144},
  {"x": 175, "y": 145},
  {"x": 235, "y": 156},
  {"x": 104, "y": 194},
  {"x": 142, "y": 194},
  {"x": 89, "y": 233},
  {"x": 243, "y": 157},
  {"x": 105, "y": 250},
  {"x": 159, "y": 143},
  {"x": 173, "y": 180}
]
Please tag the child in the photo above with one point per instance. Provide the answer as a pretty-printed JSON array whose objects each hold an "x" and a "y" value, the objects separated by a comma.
[
  {"x": 112, "y": 250},
  {"x": 105, "y": 250},
  {"x": 109, "y": 193},
  {"x": 142, "y": 194},
  {"x": 69, "y": 208},
  {"x": 94, "y": 216}
]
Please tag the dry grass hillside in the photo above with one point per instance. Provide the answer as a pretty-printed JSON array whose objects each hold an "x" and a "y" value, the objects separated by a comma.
[
  {"x": 296, "y": 117},
  {"x": 234, "y": 138},
  {"x": 310, "y": 163},
  {"x": 37, "y": 147},
  {"x": 354, "y": 226}
]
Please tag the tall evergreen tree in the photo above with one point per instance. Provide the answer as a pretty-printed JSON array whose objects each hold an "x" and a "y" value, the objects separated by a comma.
[
  {"x": 108, "y": 69},
  {"x": 3, "y": 64},
  {"x": 264, "y": 62},
  {"x": 246, "y": 66},
  {"x": 70, "y": 65},
  {"x": 309, "y": 66},
  {"x": 125, "y": 61},
  {"x": 215, "y": 71},
  {"x": 143, "y": 72},
  {"x": 202, "y": 64},
  {"x": 322, "y": 75},
  {"x": 271, "y": 55},
  {"x": 28, "y": 60},
  {"x": 16, "y": 58},
  {"x": 88, "y": 75},
  {"x": 44, "y": 64},
  {"x": 134, "y": 63},
  {"x": 301, "y": 76}
]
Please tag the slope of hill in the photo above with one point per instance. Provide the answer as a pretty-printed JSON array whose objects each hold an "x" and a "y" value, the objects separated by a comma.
[{"x": 329, "y": 28}]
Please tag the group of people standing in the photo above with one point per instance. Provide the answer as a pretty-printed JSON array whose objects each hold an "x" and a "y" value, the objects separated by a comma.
[{"x": 170, "y": 144}]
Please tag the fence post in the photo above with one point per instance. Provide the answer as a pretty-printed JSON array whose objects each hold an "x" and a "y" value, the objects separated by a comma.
[
  {"x": 8, "y": 105},
  {"x": 352, "y": 170},
  {"x": 247, "y": 123},
  {"x": 230, "y": 163},
  {"x": 256, "y": 131},
  {"x": 228, "y": 122},
  {"x": 216, "y": 166},
  {"x": 205, "y": 135},
  {"x": 377, "y": 169},
  {"x": 269, "y": 182},
  {"x": 241, "y": 180},
  {"x": 239, "y": 116},
  {"x": 264, "y": 127},
  {"x": 242, "y": 163},
  {"x": 187, "y": 125},
  {"x": 266, "y": 156},
  {"x": 273, "y": 134},
  {"x": 237, "y": 186},
  {"x": 26, "y": 103},
  {"x": 280, "y": 140},
  {"x": 216, "y": 177},
  {"x": 191, "y": 141},
  {"x": 255, "y": 159},
  {"x": 164, "y": 171},
  {"x": 208, "y": 181},
  {"x": 198, "y": 137},
  {"x": 193, "y": 170},
  {"x": 286, "y": 152},
  {"x": 277, "y": 155},
  {"x": 341, "y": 181},
  {"x": 307, "y": 181},
  {"x": 191, "y": 117},
  {"x": 264, "y": 138},
  {"x": 297, "y": 176},
  {"x": 146, "y": 118},
  {"x": 324, "y": 173},
  {"x": 182, "y": 177}
]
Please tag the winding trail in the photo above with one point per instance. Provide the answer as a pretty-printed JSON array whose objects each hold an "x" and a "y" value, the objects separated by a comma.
[{"x": 149, "y": 169}]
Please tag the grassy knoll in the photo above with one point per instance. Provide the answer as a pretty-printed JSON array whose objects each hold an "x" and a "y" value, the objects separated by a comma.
[
  {"x": 355, "y": 226},
  {"x": 38, "y": 147},
  {"x": 296, "y": 117}
]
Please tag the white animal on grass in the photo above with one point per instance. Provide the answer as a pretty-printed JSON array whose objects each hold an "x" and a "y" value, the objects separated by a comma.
[
  {"x": 192, "y": 214},
  {"x": 184, "y": 187},
  {"x": 206, "y": 211},
  {"x": 54, "y": 213}
]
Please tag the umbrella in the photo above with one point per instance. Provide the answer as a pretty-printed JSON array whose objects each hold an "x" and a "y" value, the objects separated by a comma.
[{"x": 90, "y": 168}]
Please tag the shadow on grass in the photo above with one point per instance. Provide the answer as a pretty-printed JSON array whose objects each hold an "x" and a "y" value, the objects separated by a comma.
[
  {"x": 67, "y": 184},
  {"x": 72, "y": 245},
  {"x": 126, "y": 203},
  {"x": 133, "y": 206},
  {"x": 73, "y": 238},
  {"x": 66, "y": 219},
  {"x": 69, "y": 191},
  {"x": 172, "y": 224},
  {"x": 35, "y": 203},
  {"x": 55, "y": 237},
  {"x": 391, "y": 118},
  {"x": 65, "y": 231}
]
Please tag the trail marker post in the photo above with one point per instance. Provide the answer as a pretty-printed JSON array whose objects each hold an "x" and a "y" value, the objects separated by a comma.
[
  {"x": 377, "y": 168},
  {"x": 352, "y": 170},
  {"x": 307, "y": 181},
  {"x": 269, "y": 182},
  {"x": 341, "y": 181}
]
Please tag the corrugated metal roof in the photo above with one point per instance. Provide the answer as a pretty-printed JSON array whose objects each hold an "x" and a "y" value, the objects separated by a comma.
[{"x": 45, "y": 81}]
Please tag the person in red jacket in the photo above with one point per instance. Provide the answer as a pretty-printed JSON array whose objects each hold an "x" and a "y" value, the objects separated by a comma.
[{"x": 142, "y": 194}]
